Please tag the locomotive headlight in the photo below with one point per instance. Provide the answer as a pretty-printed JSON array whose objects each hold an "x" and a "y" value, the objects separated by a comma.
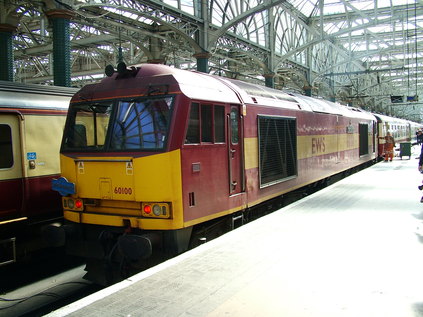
[
  {"x": 157, "y": 210},
  {"x": 71, "y": 203}
]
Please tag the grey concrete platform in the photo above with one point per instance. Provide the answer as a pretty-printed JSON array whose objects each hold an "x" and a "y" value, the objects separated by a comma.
[{"x": 352, "y": 249}]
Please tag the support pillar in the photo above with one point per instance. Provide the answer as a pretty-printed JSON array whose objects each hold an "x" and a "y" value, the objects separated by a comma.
[
  {"x": 60, "y": 20},
  {"x": 203, "y": 61},
  {"x": 6, "y": 51},
  {"x": 332, "y": 88},
  {"x": 308, "y": 90},
  {"x": 269, "y": 80},
  {"x": 269, "y": 31},
  {"x": 156, "y": 48}
]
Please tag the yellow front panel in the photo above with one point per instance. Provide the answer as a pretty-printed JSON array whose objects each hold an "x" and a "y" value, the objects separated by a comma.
[
  {"x": 67, "y": 166},
  {"x": 121, "y": 184},
  {"x": 104, "y": 179},
  {"x": 158, "y": 177}
]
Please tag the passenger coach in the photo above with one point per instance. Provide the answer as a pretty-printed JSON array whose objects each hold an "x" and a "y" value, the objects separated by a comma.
[
  {"x": 151, "y": 153},
  {"x": 32, "y": 118},
  {"x": 402, "y": 131}
]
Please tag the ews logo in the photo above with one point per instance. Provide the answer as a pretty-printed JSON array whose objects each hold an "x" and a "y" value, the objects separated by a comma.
[{"x": 318, "y": 145}]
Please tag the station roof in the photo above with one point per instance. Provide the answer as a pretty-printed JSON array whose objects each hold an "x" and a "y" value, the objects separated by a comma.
[{"x": 363, "y": 52}]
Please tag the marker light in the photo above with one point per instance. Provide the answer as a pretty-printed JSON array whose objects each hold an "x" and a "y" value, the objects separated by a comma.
[
  {"x": 147, "y": 209},
  {"x": 78, "y": 204}
]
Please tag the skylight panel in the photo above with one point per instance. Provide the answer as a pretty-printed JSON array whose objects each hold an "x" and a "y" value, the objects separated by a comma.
[
  {"x": 306, "y": 7},
  {"x": 362, "y": 5}
]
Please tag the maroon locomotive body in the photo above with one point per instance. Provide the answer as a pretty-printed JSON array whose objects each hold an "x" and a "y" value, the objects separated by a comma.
[{"x": 153, "y": 153}]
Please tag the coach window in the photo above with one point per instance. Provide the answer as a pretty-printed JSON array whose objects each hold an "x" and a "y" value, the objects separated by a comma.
[{"x": 6, "y": 152}]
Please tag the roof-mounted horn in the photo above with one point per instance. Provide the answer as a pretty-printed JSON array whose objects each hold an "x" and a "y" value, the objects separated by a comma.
[
  {"x": 122, "y": 70},
  {"x": 109, "y": 70}
]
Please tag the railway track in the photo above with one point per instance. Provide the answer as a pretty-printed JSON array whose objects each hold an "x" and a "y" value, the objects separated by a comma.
[{"x": 46, "y": 282}]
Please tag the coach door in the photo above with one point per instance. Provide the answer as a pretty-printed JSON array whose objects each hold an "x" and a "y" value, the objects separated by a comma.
[
  {"x": 11, "y": 186},
  {"x": 235, "y": 151}
]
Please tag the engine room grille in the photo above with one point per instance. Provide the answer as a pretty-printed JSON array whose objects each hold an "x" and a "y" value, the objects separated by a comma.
[{"x": 278, "y": 149}]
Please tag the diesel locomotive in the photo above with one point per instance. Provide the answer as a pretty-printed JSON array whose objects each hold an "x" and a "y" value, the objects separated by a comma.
[
  {"x": 152, "y": 153},
  {"x": 32, "y": 118}
]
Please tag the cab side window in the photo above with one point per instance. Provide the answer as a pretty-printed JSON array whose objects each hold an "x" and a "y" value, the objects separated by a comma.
[
  {"x": 219, "y": 124},
  {"x": 206, "y": 124},
  {"x": 193, "y": 132}
]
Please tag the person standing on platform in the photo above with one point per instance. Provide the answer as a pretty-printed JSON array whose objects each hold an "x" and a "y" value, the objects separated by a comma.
[
  {"x": 421, "y": 170},
  {"x": 389, "y": 147},
  {"x": 419, "y": 137}
]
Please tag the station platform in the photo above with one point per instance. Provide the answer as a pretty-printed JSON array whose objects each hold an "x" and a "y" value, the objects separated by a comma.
[{"x": 352, "y": 249}]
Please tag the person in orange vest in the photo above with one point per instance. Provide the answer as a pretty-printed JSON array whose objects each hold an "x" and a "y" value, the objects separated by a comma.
[{"x": 389, "y": 147}]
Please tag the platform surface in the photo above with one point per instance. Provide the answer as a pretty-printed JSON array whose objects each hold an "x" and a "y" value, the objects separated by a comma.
[{"x": 352, "y": 249}]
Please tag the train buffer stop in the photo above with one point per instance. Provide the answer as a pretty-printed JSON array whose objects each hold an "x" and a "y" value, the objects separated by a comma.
[{"x": 352, "y": 249}]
